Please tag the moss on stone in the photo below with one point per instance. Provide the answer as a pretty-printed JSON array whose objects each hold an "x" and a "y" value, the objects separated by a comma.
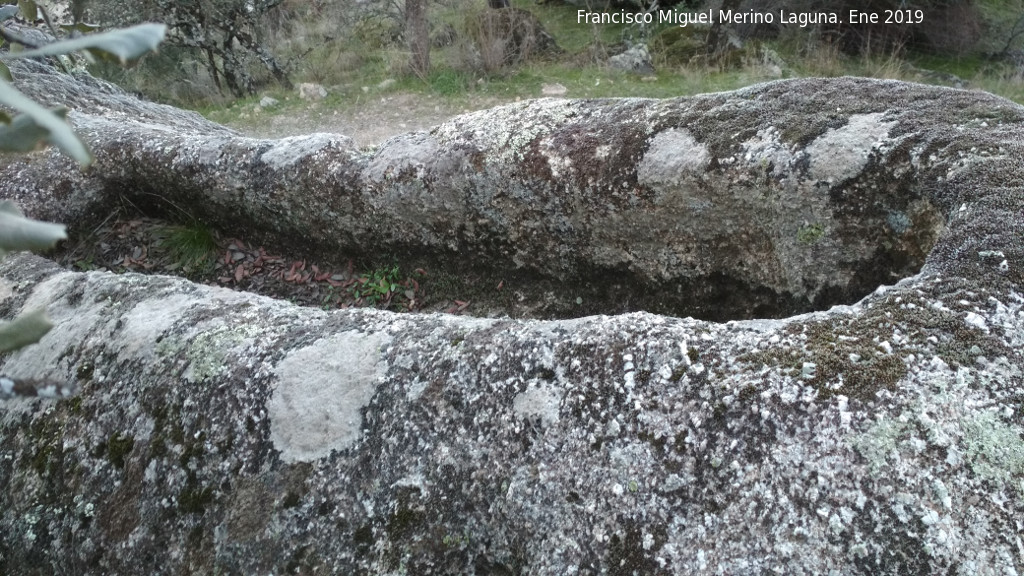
[
  {"x": 290, "y": 500},
  {"x": 693, "y": 355},
  {"x": 810, "y": 233},
  {"x": 852, "y": 357},
  {"x": 118, "y": 447},
  {"x": 363, "y": 539},
  {"x": 84, "y": 371},
  {"x": 193, "y": 448},
  {"x": 194, "y": 498}
]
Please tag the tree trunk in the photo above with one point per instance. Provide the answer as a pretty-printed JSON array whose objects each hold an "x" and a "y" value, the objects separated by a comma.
[
  {"x": 417, "y": 32},
  {"x": 223, "y": 432},
  {"x": 268, "y": 59},
  {"x": 720, "y": 42}
]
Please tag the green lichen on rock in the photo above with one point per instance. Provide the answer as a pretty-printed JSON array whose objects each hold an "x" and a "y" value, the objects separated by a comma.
[
  {"x": 47, "y": 453},
  {"x": 207, "y": 352},
  {"x": 877, "y": 443},
  {"x": 994, "y": 448}
]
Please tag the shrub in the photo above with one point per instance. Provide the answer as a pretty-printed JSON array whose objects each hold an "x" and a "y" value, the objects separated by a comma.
[{"x": 506, "y": 37}]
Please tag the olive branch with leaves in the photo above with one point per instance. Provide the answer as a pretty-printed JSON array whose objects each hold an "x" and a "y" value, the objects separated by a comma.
[{"x": 30, "y": 125}]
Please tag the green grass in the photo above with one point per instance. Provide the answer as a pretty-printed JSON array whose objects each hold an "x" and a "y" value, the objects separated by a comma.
[
  {"x": 965, "y": 67},
  {"x": 192, "y": 246},
  {"x": 560, "y": 21},
  {"x": 354, "y": 65},
  {"x": 449, "y": 82}
]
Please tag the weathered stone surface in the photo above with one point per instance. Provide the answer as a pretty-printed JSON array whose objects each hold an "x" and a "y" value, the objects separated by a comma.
[
  {"x": 312, "y": 92},
  {"x": 636, "y": 60},
  {"x": 223, "y": 432},
  {"x": 773, "y": 200}
]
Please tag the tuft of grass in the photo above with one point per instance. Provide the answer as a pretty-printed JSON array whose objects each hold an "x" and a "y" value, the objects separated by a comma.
[
  {"x": 192, "y": 246},
  {"x": 448, "y": 82}
]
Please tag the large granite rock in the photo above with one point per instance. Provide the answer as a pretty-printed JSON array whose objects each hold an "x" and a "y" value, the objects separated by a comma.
[
  {"x": 636, "y": 60},
  {"x": 222, "y": 432},
  {"x": 774, "y": 200}
]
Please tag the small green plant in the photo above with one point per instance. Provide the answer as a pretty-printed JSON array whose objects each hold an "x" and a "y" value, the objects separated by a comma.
[
  {"x": 86, "y": 264},
  {"x": 810, "y": 233},
  {"x": 385, "y": 286},
  {"x": 329, "y": 299},
  {"x": 377, "y": 286},
  {"x": 456, "y": 540}
]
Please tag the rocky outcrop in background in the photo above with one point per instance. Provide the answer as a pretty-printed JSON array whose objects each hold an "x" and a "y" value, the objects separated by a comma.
[{"x": 219, "y": 431}]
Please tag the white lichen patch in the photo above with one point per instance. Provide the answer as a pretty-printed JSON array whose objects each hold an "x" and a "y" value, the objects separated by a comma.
[
  {"x": 402, "y": 154},
  {"x": 48, "y": 292},
  {"x": 5, "y": 290},
  {"x": 506, "y": 129},
  {"x": 149, "y": 319},
  {"x": 206, "y": 346},
  {"x": 539, "y": 401},
  {"x": 842, "y": 153},
  {"x": 315, "y": 407},
  {"x": 560, "y": 165},
  {"x": 288, "y": 151},
  {"x": 976, "y": 321},
  {"x": 74, "y": 324},
  {"x": 767, "y": 149},
  {"x": 672, "y": 157},
  {"x": 208, "y": 351}
]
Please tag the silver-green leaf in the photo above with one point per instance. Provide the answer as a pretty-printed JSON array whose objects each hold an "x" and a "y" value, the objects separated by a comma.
[
  {"x": 59, "y": 133},
  {"x": 23, "y": 133},
  {"x": 82, "y": 27},
  {"x": 29, "y": 10},
  {"x": 8, "y": 12},
  {"x": 24, "y": 330},
  {"x": 125, "y": 45},
  {"x": 20, "y": 233}
]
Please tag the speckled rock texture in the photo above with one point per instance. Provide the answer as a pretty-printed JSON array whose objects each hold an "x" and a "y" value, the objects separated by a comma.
[
  {"x": 774, "y": 200},
  {"x": 219, "y": 432}
]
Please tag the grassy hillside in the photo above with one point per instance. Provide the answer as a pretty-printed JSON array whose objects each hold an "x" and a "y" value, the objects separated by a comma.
[{"x": 361, "y": 56}]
